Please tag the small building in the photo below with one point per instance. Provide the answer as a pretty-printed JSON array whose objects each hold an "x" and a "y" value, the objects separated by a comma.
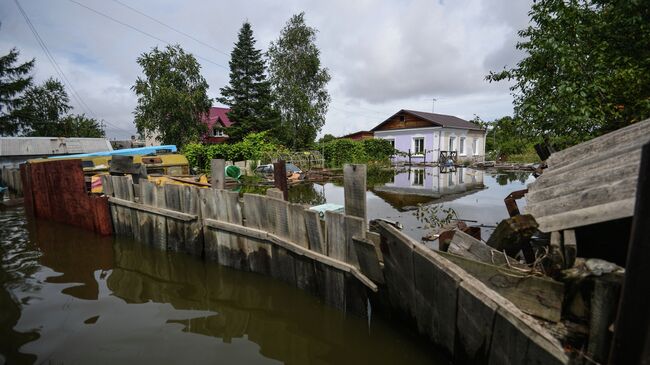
[
  {"x": 428, "y": 136},
  {"x": 217, "y": 121},
  {"x": 16, "y": 150},
  {"x": 357, "y": 136}
]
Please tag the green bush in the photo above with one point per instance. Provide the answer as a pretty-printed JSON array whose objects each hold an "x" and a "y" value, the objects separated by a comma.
[
  {"x": 342, "y": 151},
  {"x": 254, "y": 146}
]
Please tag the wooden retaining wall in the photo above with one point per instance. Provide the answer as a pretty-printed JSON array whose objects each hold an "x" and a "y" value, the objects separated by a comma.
[
  {"x": 457, "y": 311},
  {"x": 261, "y": 234},
  {"x": 10, "y": 177},
  {"x": 56, "y": 190}
]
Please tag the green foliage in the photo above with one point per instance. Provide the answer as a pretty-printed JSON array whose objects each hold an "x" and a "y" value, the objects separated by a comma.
[
  {"x": 44, "y": 106},
  {"x": 506, "y": 136},
  {"x": 14, "y": 80},
  {"x": 299, "y": 83},
  {"x": 326, "y": 138},
  {"x": 587, "y": 69},
  {"x": 81, "y": 126},
  {"x": 344, "y": 150},
  {"x": 435, "y": 216},
  {"x": 249, "y": 92},
  {"x": 172, "y": 96},
  {"x": 255, "y": 146}
]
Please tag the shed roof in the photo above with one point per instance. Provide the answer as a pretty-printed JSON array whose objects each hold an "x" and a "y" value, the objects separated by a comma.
[
  {"x": 437, "y": 120},
  {"x": 591, "y": 182},
  {"x": 44, "y": 146}
]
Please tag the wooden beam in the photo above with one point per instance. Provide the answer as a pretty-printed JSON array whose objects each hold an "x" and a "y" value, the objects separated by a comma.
[
  {"x": 631, "y": 344},
  {"x": 586, "y": 216},
  {"x": 293, "y": 247},
  {"x": 155, "y": 210},
  {"x": 280, "y": 178},
  {"x": 354, "y": 190}
]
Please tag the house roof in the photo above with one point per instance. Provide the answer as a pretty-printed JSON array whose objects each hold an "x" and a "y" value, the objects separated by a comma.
[
  {"x": 437, "y": 120},
  {"x": 357, "y": 133},
  {"x": 218, "y": 114}
]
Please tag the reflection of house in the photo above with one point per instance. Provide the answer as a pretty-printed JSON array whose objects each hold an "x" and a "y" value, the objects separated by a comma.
[
  {"x": 217, "y": 121},
  {"x": 425, "y": 184},
  {"x": 357, "y": 136},
  {"x": 425, "y": 135}
]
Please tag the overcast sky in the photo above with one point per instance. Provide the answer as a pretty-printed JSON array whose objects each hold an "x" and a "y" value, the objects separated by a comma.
[{"x": 383, "y": 56}]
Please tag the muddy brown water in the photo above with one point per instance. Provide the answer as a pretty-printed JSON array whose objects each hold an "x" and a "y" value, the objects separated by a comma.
[{"x": 70, "y": 297}]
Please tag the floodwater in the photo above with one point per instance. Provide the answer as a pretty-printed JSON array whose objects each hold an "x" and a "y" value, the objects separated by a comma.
[
  {"x": 475, "y": 196},
  {"x": 70, "y": 297}
]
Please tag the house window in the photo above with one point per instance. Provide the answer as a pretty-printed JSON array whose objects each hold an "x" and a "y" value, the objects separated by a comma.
[
  {"x": 392, "y": 142},
  {"x": 461, "y": 145},
  {"x": 217, "y": 132},
  {"x": 418, "y": 177},
  {"x": 401, "y": 118},
  {"x": 452, "y": 140},
  {"x": 475, "y": 146},
  {"x": 418, "y": 146}
]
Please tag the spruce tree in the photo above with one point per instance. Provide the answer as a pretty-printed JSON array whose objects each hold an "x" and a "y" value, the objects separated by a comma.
[
  {"x": 14, "y": 80},
  {"x": 249, "y": 92}
]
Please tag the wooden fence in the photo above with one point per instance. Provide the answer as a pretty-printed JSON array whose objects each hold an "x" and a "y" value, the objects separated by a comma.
[
  {"x": 457, "y": 311},
  {"x": 261, "y": 234},
  {"x": 10, "y": 177}
]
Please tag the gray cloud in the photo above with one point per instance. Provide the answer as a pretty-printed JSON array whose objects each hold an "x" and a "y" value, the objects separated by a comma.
[{"x": 382, "y": 56}]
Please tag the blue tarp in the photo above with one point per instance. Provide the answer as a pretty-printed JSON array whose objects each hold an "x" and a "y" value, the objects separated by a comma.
[{"x": 125, "y": 152}]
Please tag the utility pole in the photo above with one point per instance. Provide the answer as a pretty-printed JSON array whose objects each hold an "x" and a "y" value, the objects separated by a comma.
[{"x": 433, "y": 104}]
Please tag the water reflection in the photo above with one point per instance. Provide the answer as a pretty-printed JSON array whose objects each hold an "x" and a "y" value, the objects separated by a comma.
[
  {"x": 79, "y": 298},
  {"x": 422, "y": 185}
]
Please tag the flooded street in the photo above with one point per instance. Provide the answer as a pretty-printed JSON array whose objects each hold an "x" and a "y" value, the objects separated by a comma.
[
  {"x": 69, "y": 296},
  {"x": 476, "y": 196}
]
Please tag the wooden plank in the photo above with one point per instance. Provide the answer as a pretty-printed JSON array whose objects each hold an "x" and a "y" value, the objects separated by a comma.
[
  {"x": 275, "y": 193},
  {"x": 631, "y": 343},
  {"x": 474, "y": 321},
  {"x": 192, "y": 230},
  {"x": 218, "y": 173},
  {"x": 305, "y": 274},
  {"x": 586, "y": 216},
  {"x": 175, "y": 228},
  {"x": 147, "y": 198},
  {"x": 296, "y": 224},
  {"x": 259, "y": 259},
  {"x": 604, "y": 303},
  {"x": 331, "y": 285},
  {"x": 356, "y": 297},
  {"x": 398, "y": 268},
  {"x": 335, "y": 233},
  {"x": 232, "y": 251},
  {"x": 534, "y": 295},
  {"x": 354, "y": 190},
  {"x": 282, "y": 265},
  {"x": 368, "y": 261},
  {"x": 160, "y": 223},
  {"x": 209, "y": 208},
  {"x": 176, "y": 215},
  {"x": 467, "y": 246},
  {"x": 354, "y": 227},
  {"x": 436, "y": 291},
  {"x": 315, "y": 234}
]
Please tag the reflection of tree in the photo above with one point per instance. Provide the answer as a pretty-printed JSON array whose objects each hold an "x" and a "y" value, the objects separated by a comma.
[
  {"x": 503, "y": 178},
  {"x": 306, "y": 193}
]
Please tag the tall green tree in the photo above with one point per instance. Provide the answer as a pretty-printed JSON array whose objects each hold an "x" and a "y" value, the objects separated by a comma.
[
  {"x": 172, "y": 96},
  {"x": 587, "y": 69},
  {"x": 43, "y": 108},
  {"x": 249, "y": 92},
  {"x": 298, "y": 82},
  {"x": 14, "y": 80}
]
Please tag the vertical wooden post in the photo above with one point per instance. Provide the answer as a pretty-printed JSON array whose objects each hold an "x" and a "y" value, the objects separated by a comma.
[
  {"x": 218, "y": 173},
  {"x": 409, "y": 156},
  {"x": 280, "y": 177},
  {"x": 631, "y": 343},
  {"x": 354, "y": 190}
]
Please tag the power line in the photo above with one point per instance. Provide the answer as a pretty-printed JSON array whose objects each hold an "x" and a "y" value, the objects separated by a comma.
[
  {"x": 170, "y": 27},
  {"x": 138, "y": 30},
  {"x": 52, "y": 60}
]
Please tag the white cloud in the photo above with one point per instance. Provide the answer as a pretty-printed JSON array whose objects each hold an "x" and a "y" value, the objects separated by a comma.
[{"x": 383, "y": 56}]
